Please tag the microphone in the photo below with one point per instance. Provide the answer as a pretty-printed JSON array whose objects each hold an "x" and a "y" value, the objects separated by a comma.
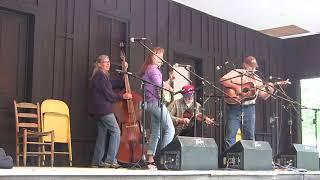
[
  {"x": 275, "y": 78},
  {"x": 182, "y": 65},
  {"x": 123, "y": 72},
  {"x": 180, "y": 91},
  {"x": 218, "y": 68},
  {"x": 132, "y": 39},
  {"x": 271, "y": 119}
]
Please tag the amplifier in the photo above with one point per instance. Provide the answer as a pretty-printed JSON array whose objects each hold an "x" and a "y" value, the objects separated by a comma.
[
  {"x": 233, "y": 160},
  {"x": 189, "y": 153},
  {"x": 248, "y": 155},
  {"x": 300, "y": 156}
]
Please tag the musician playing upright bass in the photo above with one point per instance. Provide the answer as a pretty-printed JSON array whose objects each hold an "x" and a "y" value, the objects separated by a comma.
[
  {"x": 181, "y": 111},
  {"x": 236, "y": 82}
]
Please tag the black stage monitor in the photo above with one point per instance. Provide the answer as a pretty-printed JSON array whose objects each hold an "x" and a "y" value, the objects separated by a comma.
[
  {"x": 248, "y": 155},
  {"x": 190, "y": 153},
  {"x": 301, "y": 157}
]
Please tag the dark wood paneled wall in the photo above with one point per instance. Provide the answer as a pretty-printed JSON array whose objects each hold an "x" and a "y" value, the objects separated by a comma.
[
  {"x": 65, "y": 45},
  {"x": 15, "y": 81},
  {"x": 303, "y": 60},
  {"x": 304, "y": 53}
]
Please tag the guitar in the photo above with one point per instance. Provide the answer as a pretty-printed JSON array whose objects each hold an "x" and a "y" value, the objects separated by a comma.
[
  {"x": 190, "y": 115},
  {"x": 248, "y": 92},
  {"x": 166, "y": 94}
]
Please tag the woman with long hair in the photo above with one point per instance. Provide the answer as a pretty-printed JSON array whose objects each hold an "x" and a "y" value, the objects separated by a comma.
[
  {"x": 100, "y": 105},
  {"x": 150, "y": 72}
]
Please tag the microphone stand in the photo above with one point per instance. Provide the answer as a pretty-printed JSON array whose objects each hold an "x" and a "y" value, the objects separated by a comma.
[
  {"x": 195, "y": 115},
  {"x": 290, "y": 125},
  {"x": 199, "y": 77},
  {"x": 143, "y": 107},
  {"x": 219, "y": 99},
  {"x": 287, "y": 99},
  {"x": 292, "y": 103},
  {"x": 167, "y": 63},
  {"x": 316, "y": 126},
  {"x": 202, "y": 106},
  {"x": 161, "y": 98},
  {"x": 161, "y": 111},
  {"x": 274, "y": 121},
  {"x": 202, "y": 111},
  {"x": 220, "y": 117},
  {"x": 195, "y": 110},
  {"x": 314, "y": 122},
  {"x": 289, "y": 110},
  {"x": 241, "y": 111},
  {"x": 241, "y": 75},
  {"x": 164, "y": 61},
  {"x": 205, "y": 84},
  {"x": 255, "y": 77}
]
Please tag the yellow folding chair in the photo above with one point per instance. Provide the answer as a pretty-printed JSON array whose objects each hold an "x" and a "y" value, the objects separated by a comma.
[
  {"x": 29, "y": 133},
  {"x": 55, "y": 116}
]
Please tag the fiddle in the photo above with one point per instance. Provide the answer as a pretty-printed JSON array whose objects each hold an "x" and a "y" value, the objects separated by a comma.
[
  {"x": 190, "y": 115},
  {"x": 185, "y": 128}
]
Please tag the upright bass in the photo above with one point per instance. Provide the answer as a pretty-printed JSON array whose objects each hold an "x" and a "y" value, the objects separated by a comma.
[{"x": 129, "y": 116}]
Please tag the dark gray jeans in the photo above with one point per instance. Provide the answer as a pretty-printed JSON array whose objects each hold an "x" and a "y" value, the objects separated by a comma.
[{"x": 106, "y": 124}]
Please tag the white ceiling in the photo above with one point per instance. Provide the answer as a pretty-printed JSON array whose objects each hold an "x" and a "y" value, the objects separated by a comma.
[{"x": 263, "y": 14}]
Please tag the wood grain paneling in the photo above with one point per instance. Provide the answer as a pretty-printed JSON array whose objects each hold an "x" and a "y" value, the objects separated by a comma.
[
  {"x": 14, "y": 73},
  {"x": 69, "y": 34},
  {"x": 151, "y": 25},
  {"x": 196, "y": 29},
  {"x": 163, "y": 18}
]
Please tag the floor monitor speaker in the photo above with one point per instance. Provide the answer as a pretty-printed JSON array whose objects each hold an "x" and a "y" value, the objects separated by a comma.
[
  {"x": 248, "y": 155},
  {"x": 190, "y": 153},
  {"x": 301, "y": 157}
]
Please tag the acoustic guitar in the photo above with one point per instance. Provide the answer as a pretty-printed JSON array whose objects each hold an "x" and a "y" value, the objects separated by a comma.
[{"x": 248, "y": 92}]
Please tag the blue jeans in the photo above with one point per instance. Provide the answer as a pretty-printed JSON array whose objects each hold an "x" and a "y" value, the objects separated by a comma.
[
  {"x": 106, "y": 124},
  {"x": 234, "y": 123},
  {"x": 167, "y": 126}
]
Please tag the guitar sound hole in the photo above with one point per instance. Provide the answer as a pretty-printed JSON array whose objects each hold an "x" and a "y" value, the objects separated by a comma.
[{"x": 245, "y": 90}]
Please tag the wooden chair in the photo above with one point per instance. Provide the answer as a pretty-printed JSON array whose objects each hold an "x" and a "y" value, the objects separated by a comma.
[
  {"x": 55, "y": 116},
  {"x": 29, "y": 136}
]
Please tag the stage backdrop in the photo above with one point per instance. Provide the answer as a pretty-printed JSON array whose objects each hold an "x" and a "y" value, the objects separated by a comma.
[{"x": 48, "y": 47}]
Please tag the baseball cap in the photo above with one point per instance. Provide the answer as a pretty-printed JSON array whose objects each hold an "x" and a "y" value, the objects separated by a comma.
[{"x": 187, "y": 90}]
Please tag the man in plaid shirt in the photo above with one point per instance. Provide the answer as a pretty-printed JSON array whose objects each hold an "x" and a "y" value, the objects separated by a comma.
[{"x": 184, "y": 126}]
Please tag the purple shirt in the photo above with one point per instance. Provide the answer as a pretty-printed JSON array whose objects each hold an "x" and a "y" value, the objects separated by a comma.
[
  {"x": 153, "y": 75},
  {"x": 101, "y": 94}
]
